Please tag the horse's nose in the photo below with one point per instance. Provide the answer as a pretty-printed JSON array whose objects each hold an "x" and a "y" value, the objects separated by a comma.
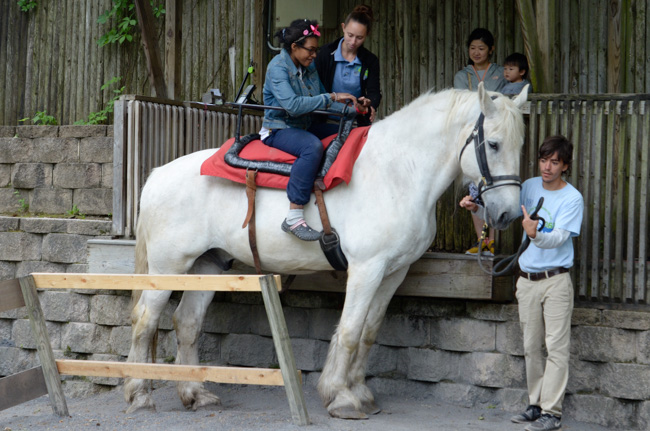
[{"x": 504, "y": 219}]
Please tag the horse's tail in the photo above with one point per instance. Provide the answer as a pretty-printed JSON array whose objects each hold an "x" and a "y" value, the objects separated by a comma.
[{"x": 141, "y": 262}]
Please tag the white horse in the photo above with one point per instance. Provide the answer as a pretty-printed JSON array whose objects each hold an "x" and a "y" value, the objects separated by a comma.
[{"x": 385, "y": 217}]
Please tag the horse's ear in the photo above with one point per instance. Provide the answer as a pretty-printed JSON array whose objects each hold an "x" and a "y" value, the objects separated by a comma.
[
  {"x": 521, "y": 98},
  {"x": 488, "y": 108}
]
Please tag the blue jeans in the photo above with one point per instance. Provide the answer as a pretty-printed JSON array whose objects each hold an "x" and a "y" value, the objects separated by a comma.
[{"x": 308, "y": 149}]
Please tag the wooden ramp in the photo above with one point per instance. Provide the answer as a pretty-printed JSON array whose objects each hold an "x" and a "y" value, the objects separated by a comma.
[{"x": 45, "y": 379}]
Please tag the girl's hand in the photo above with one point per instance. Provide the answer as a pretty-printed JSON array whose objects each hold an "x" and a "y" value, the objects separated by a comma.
[
  {"x": 468, "y": 203},
  {"x": 343, "y": 97}
]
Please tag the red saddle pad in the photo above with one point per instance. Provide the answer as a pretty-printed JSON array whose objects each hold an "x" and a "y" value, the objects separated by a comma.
[{"x": 340, "y": 171}]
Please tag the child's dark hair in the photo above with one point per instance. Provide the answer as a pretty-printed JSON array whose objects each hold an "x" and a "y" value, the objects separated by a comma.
[
  {"x": 560, "y": 145},
  {"x": 482, "y": 34},
  {"x": 297, "y": 32},
  {"x": 519, "y": 60},
  {"x": 361, "y": 14}
]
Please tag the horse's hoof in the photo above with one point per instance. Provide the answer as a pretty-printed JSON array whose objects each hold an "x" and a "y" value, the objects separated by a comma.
[
  {"x": 347, "y": 413},
  {"x": 200, "y": 398},
  {"x": 141, "y": 402},
  {"x": 370, "y": 408}
]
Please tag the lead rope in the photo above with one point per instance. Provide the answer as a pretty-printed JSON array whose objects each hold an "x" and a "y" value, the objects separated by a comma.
[{"x": 509, "y": 261}]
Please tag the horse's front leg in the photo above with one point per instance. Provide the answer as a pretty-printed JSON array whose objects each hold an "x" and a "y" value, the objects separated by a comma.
[
  {"x": 371, "y": 327},
  {"x": 188, "y": 319},
  {"x": 145, "y": 316},
  {"x": 334, "y": 383}
]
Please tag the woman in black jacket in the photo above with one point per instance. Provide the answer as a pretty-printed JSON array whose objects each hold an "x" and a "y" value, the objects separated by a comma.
[{"x": 346, "y": 66}]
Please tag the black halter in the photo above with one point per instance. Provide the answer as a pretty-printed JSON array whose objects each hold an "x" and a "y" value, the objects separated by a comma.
[{"x": 487, "y": 180}]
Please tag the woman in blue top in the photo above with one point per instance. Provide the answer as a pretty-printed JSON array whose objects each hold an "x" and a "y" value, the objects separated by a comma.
[
  {"x": 346, "y": 65},
  {"x": 292, "y": 83}
]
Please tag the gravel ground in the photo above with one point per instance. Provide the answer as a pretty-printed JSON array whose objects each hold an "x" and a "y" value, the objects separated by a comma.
[{"x": 255, "y": 408}]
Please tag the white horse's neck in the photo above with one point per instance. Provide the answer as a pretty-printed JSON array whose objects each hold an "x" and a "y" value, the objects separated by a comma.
[{"x": 417, "y": 147}]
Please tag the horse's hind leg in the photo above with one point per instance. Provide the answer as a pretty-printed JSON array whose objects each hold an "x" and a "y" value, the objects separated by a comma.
[
  {"x": 145, "y": 316},
  {"x": 188, "y": 320},
  {"x": 371, "y": 327}
]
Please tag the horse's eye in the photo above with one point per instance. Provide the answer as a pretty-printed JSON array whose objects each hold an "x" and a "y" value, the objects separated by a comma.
[{"x": 493, "y": 145}]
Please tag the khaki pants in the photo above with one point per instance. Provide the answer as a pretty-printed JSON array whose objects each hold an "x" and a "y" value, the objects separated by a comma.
[{"x": 545, "y": 308}]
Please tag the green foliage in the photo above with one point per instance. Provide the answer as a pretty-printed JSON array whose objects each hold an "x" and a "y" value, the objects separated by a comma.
[
  {"x": 74, "y": 213},
  {"x": 124, "y": 17},
  {"x": 24, "y": 205},
  {"x": 42, "y": 118},
  {"x": 27, "y": 5},
  {"x": 101, "y": 117}
]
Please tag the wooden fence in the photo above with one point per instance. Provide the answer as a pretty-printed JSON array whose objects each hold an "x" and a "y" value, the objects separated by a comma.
[
  {"x": 151, "y": 132},
  {"x": 45, "y": 379},
  {"x": 610, "y": 134},
  {"x": 49, "y": 58},
  {"x": 611, "y": 162}
]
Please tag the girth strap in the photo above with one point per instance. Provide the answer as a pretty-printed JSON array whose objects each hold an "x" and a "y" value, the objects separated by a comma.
[
  {"x": 329, "y": 241},
  {"x": 251, "y": 188}
]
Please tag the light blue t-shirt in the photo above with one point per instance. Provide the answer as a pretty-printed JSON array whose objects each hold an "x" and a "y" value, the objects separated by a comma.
[
  {"x": 561, "y": 209},
  {"x": 346, "y": 74}
]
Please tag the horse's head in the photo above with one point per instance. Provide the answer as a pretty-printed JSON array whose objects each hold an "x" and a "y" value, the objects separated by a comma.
[{"x": 490, "y": 154}]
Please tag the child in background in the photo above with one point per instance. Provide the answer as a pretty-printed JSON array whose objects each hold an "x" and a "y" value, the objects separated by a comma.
[{"x": 515, "y": 70}]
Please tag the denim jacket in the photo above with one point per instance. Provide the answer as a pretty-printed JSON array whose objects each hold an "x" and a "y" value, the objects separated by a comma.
[{"x": 285, "y": 88}]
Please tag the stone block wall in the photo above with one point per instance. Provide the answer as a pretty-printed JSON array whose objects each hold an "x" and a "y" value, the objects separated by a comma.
[
  {"x": 463, "y": 352},
  {"x": 46, "y": 244},
  {"x": 54, "y": 168}
]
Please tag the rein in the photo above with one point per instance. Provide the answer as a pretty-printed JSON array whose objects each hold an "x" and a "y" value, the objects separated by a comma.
[
  {"x": 498, "y": 269},
  {"x": 487, "y": 183}
]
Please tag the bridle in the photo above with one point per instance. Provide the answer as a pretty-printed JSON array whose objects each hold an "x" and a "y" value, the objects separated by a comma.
[
  {"x": 487, "y": 183},
  {"x": 487, "y": 180}
]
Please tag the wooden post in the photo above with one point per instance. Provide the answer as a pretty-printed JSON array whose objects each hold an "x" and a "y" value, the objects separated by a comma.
[
  {"x": 147, "y": 27},
  {"x": 173, "y": 32},
  {"x": 37, "y": 323},
  {"x": 536, "y": 42},
  {"x": 283, "y": 349}
]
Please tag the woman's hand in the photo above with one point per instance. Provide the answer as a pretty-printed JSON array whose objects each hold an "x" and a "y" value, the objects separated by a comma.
[
  {"x": 361, "y": 108},
  {"x": 364, "y": 101},
  {"x": 468, "y": 203}
]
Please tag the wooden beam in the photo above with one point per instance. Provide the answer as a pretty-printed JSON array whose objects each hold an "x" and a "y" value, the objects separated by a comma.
[
  {"x": 147, "y": 29},
  {"x": 12, "y": 296},
  {"x": 185, "y": 373},
  {"x": 173, "y": 32},
  {"x": 283, "y": 350},
  {"x": 43, "y": 346},
  {"x": 221, "y": 283},
  {"x": 436, "y": 275},
  {"x": 22, "y": 387}
]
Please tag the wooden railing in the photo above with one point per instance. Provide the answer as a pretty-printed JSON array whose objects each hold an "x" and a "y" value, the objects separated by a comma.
[
  {"x": 151, "y": 132},
  {"x": 610, "y": 133}
]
